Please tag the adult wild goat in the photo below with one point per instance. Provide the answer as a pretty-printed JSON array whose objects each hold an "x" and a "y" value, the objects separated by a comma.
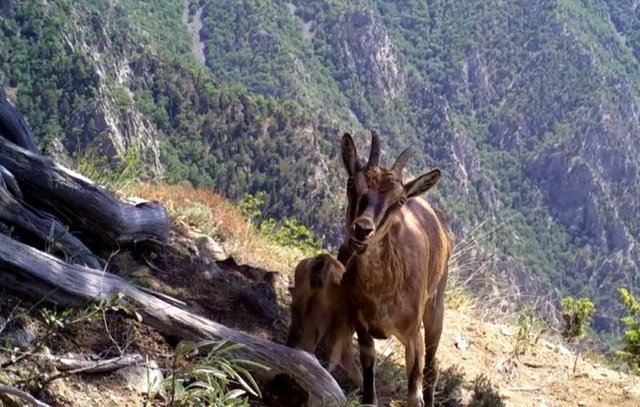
[{"x": 398, "y": 249}]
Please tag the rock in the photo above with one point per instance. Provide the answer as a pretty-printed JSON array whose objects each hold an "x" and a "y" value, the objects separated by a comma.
[
  {"x": 214, "y": 270},
  {"x": 461, "y": 343},
  {"x": 262, "y": 300},
  {"x": 210, "y": 248},
  {"x": 20, "y": 338},
  {"x": 142, "y": 379},
  {"x": 506, "y": 331},
  {"x": 582, "y": 403},
  {"x": 633, "y": 390}
]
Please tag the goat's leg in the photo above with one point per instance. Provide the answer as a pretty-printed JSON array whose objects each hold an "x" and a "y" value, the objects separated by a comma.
[
  {"x": 432, "y": 321},
  {"x": 342, "y": 354},
  {"x": 368, "y": 361},
  {"x": 414, "y": 353},
  {"x": 349, "y": 364}
]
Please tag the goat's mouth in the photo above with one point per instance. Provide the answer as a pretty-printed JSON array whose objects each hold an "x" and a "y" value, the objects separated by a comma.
[{"x": 358, "y": 246}]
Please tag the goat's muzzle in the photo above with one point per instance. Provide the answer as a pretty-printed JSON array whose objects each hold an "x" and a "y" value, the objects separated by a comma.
[{"x": 361, "y": 232}]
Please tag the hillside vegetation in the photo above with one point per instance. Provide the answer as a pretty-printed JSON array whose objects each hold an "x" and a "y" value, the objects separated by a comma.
[
  {"x": 482, "y": 364},
  {"x": 530, "y": 109}
]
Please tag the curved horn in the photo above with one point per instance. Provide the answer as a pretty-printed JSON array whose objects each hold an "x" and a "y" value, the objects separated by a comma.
[
  {"x": 374, "y": 155},
  {"x": 402, "y": 159}
]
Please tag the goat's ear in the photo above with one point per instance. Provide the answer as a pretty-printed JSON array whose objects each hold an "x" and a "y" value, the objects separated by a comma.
[
  {"x": 336, "y": 271},
  {"x": 324, "y": 272},
  {"x": 422, "y": 184},
  {"x": 317, "y": 274},
  {"x": 349, "y": 155}
]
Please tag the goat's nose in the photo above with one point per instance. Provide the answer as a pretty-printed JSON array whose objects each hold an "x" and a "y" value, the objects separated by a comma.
[{"x": 363, "y": 229}]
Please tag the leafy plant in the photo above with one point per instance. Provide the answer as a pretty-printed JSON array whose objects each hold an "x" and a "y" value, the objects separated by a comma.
[
  {"x": 213, "y": 378},
  {"x": 287, "y": 233},
  {"x": 631, "y": 337},
  {"x": 577, "y": 316},
  {"x": 529, "y": 331},
  {"x": 69, "y": 316}
]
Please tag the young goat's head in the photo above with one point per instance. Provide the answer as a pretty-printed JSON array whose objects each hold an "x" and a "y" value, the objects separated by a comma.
[
  {"x": 375, "y": 193},
  {"x": 315, "y": 301}
]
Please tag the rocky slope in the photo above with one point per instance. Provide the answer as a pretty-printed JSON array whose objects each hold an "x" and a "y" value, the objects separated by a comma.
[{"x": 525, "y": 369}]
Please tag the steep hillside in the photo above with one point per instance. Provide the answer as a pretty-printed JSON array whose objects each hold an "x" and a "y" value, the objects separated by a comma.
[
  {"x": 530, "y": 108},
  {"x": 480, "y": 362}
]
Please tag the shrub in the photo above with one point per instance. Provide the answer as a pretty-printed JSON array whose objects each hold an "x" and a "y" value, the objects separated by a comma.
[
  {"x": 577, "y": 316},
  {"x": 484, "y": 395},
  {"x": 286, "y": 233},
  {"x": 631, "y": 337},
  {"x": 213, "y": 379}
]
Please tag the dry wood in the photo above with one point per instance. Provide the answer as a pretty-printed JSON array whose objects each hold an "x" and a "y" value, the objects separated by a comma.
[
  {"x": 80, "y": 203},
  {"x": 74, "y": 365},
  {"x": 33, "y": 223},
  {"x": 36, "y": 275},
  {"x": 22, "y": 395},
  {"x": 13, "y": 126}
]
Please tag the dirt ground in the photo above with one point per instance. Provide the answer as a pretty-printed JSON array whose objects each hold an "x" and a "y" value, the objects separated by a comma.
[
  {"x": 256, "y": 301},
  {"x": 542, "y": 376}
]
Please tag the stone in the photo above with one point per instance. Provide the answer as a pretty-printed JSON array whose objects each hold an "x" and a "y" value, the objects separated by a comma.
[
  {"x": 461, "y": 343},
  {"x": 20, "y": 338},
  {"x": 142, "y": 379}
]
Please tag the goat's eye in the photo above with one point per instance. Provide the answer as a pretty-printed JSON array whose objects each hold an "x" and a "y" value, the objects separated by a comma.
[{"x": 386, "y": 185}]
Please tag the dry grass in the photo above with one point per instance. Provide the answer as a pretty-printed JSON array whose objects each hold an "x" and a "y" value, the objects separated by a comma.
[{"x": 215, "y": 216}]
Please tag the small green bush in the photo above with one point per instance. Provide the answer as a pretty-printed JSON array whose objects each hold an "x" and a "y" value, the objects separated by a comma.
[
  {"x": 287, "y": 233},
  {"x": 577, "y": 316},
  {"x": 631, "y": 337},
  {"x": 214, "y": 378}
]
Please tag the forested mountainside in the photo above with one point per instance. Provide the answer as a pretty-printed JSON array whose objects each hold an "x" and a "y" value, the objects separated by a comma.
[{"x": 529, "y": 108}]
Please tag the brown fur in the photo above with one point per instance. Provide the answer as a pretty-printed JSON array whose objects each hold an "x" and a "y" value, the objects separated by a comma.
[
  {"x": 319, "y": 314},
  {"x": 397, "y": 272}
]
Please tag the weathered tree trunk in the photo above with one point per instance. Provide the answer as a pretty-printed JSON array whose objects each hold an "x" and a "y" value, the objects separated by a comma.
[
  {"x": 13, "y": 126},
  {"x": 38, "y": 275},
  {"x": 80, "y": 203},
  {"x": 39, "y": 225}
]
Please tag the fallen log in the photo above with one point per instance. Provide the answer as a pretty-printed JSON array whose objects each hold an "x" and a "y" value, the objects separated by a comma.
[
  {"x": 13, "y": 127},
  {"x": 8, "y": 182},
  {"x": 38, "y": 275},
  {"x": 80, "y": 203},
  {"x": 43, "y": 227}
]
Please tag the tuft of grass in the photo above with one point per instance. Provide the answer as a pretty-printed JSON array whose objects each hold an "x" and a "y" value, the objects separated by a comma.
[
  {"x": 215, "y": 216},
  {"x": 484, "y": 395},
  {"x": 118, "y": 175},
  {"x": 448, "y": 390}
]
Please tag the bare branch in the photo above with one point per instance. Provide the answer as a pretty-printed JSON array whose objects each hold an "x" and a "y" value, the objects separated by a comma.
[{"x": 22, "y": 395}]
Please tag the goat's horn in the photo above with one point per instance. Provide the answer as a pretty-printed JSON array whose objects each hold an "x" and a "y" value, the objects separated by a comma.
[
  {"x": 374, "y": 155},
  {"x": 402, "y": 159}
]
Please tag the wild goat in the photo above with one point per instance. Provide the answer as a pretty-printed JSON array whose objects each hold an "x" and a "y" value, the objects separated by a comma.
[
  {"x": 319, "y": 314},
  {"x": 397, "y": 266}
]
